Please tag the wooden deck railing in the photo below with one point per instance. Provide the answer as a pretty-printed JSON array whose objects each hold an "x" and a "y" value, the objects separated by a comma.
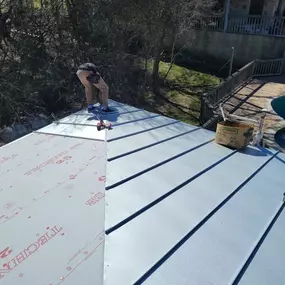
[{"x": 211, "y": 100}]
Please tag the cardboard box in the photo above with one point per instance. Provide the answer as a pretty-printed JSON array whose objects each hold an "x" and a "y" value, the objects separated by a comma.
[{"x": 235, "y": 135}]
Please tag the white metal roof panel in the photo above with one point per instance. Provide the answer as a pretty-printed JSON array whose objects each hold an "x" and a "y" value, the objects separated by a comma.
[
  {"x": 75, "y": 131},
  {"x": 80, "y": 125},
  {"x": 121, "y": 108},
  {"x": 129, "y": 165},
  {"x": 135, "y": 128},
  {"x": 168, "y": 221},
  {"x": 115, "y": 118},
  {"x": 168, "y": 176},
  {"x": 235, "y": 229},
  {"x": 173, "y": 192},
  {"x": 159, "y": 195},
  {"x": 146, "y": 139},
  {"x": 127, "y": 199},
  {"x": 266, "y": 265}
]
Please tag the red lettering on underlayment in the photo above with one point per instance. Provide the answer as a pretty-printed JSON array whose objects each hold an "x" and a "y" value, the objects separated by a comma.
[
  {"x": 73, "y": 176},
  {"x": 56, "y": 159},
  {"x": 80, "y": 257},
  {"x": 27, "y": 252},
  {"x": 95, "y": 199},
  {"x": 102, "y": 178},
  {"x": 6, "y": 252},
  {"x": 46, "y": 139},
  {"x": 4, "y": 218},
  {"x": 77, "y": 145},
  {"x": 6, "y": 158},
  {"x": 64, "y": 159},
  {"x": 50, "y": 161}
]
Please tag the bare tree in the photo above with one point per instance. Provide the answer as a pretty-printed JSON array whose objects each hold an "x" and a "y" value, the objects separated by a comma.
[
  {"x": 161, "y": 19},
  {"x": 49, "y": 38}
]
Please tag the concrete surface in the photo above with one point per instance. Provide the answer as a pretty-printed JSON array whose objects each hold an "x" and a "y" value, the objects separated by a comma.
[
  {"x": 257, "y": 95},
  {"x": 218, "y": 46}
]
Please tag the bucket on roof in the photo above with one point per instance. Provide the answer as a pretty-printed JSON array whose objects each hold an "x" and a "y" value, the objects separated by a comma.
[{"x": 233, "y": 134}]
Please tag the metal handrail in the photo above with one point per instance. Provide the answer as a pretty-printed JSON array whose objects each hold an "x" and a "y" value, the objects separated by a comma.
[
  {"x": 269, "y": 67},
  {"x": 211, "y": 100}
]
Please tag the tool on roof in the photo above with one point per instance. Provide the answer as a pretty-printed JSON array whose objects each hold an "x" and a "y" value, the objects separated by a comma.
[
  {"x": 101, "y": 124},
  {"x": 260, "y": 122},
  {"x": 55, "y": 119}
]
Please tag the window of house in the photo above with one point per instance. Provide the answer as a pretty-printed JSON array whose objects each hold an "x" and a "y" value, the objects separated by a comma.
[{"x": 256, "y": 7}]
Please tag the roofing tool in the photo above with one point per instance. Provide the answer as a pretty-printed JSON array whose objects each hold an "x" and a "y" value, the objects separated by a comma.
[
  {"x": 54, "y": 118},
  {"x": 101, "y": 124}
]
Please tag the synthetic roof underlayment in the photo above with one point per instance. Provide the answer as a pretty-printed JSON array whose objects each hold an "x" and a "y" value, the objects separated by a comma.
[{"x": 180, "y": 209}]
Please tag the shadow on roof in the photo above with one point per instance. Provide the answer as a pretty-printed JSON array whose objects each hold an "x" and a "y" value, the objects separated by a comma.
[
  {"x": 256, "y": 151},
  {"x": 280, "y": 159},
  {"x": 111, "y": 117}
]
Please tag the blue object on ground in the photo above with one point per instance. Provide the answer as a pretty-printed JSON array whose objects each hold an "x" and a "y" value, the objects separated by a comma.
[
  {"x": 278, "y": 105},
  {"x": 280, "y": 137}
]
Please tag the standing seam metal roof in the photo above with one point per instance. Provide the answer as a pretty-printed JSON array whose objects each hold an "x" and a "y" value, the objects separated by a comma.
[{"x": 180, "y": 209}]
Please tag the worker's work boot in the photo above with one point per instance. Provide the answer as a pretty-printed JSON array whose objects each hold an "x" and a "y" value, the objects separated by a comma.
[{"x": 91, "y": 108}]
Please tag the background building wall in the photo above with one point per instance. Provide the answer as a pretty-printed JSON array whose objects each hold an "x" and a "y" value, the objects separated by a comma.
[
  {"x": 218, "y": 46},
  {"x": 239, "y": 7},
  {"x": 242, "y": 7}
]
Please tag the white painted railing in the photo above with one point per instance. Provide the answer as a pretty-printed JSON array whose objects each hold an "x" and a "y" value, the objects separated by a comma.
[
  {"x": 215, "y": 23},
  {"x": 258, "y": 25},
  {"x": 269, "y": 67}
]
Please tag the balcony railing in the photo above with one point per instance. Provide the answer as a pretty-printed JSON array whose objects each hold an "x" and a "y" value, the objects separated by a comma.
[
  {"x": 211, "y": 100},
  {"x": 212, "y": 23},
  {"x": 274, "y": 26},
  {"x": 257, "y": 25},
  {"x": 269, "y": 67}
]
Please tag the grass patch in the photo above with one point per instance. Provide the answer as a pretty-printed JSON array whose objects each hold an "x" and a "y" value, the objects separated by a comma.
[
  {"x": 37, "y": 4},
  {"x": 181, "y": 91},
  {"x": 183, "y": 76}
]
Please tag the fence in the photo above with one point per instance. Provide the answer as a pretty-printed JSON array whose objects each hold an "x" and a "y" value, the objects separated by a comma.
[
  {"x": 260, "y": 25},
  {"x": 269, "y": 67},
  {"x": 257, "y": 25},
  {"x": 215, "y": 23},
  {"x": 211, "y": 100}
]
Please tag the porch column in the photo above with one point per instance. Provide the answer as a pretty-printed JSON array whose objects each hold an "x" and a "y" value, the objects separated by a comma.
[{"x": 227, "y": 10}]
